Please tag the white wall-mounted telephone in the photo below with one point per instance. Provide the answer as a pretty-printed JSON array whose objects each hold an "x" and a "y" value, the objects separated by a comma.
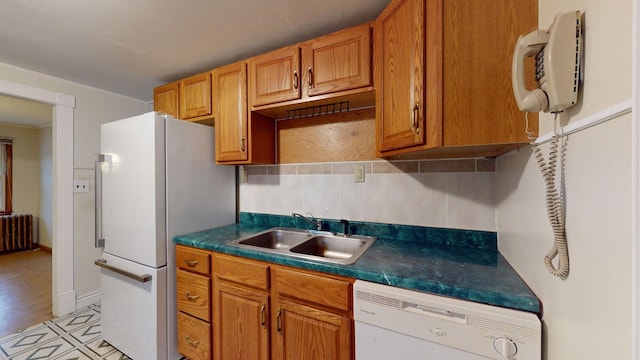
[{"x": 557, "y": 56}]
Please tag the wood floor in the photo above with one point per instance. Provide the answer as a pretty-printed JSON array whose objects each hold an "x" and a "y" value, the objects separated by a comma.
[{"x": 25, "y": 290}]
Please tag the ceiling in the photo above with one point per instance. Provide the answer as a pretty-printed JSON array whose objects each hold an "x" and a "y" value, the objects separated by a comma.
[{"x": 131, "y": 46}]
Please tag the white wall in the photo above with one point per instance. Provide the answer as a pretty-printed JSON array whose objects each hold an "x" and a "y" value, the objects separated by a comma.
[
  {"x": 587, "y": 315},
  {"x": 25, "y": 168},
  {"x": 93, "y": 107},
  {"x": 45, "y": 187}
]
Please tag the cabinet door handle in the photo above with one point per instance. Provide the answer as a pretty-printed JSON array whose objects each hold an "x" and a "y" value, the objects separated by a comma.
[
  {"x": 242, "y": 146},
  {"x": 191, "y": 263},
  {"x": 310, "y": 78},
  {"x": 263, "y": 322},
  {"x": 295, "y": 80},
  {"x": 191, "y": 342},
  {"x": 279, "y": 321},
  {"x": 191, "y": 297},
  {"x": 415, "y": 124}
]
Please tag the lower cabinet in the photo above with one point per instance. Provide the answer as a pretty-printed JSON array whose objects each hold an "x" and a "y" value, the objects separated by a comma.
[
  {"x": 241, "y": 308},
  {"x": 307, "y": 333},
  {"x": 193, "y": 337},
  {"x": 313, "y": 315},
  {"x": 193, "y": 298},
  {"x": 262, "y": 311}
]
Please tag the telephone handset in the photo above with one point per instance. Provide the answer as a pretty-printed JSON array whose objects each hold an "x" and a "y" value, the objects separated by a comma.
[{"x": 557, "y": 56}]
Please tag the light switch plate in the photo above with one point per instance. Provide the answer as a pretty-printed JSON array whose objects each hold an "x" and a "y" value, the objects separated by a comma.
[{"x": 358, "y": 172}]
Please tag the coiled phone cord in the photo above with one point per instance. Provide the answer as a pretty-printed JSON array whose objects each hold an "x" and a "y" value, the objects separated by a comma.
[{"x": 555, "y": 202}]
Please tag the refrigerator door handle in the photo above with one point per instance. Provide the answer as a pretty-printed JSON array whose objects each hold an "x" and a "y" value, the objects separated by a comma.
[
  {"x": 101, "y": 158},
  {"x": 141, "y": 278}
]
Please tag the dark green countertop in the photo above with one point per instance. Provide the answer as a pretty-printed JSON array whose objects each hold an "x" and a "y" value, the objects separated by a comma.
[{"x": 477, "y": 273}]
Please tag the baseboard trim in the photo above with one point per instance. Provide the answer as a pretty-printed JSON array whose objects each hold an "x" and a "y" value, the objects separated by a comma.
[
  {"x": 88, "y": 299},
  {"x": 44, "y": 249},
  {"x": 64, "y": 304}
]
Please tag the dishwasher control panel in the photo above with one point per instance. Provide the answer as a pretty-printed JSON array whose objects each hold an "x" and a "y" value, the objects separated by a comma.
[{"x": 490, "y": 332}]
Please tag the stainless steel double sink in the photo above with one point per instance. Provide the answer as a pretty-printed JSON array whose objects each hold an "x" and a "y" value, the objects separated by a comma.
[{"x": 308, "y": 244}]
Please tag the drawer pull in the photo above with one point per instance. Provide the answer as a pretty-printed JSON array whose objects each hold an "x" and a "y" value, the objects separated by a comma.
[
  {"x": 192, "y": 297},
  {"x": 263, "y": 322},
  {"x": 191, "y": 263},
  {"x": 278, "y": 321},
  {"x": 191, "y": 342},
  {"x": 415, "y": 124}
]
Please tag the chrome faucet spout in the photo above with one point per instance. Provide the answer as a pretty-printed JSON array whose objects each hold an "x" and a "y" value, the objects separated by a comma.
[
  {"x": 315, "y": 222},
  {"x": 345, "y": 224}
]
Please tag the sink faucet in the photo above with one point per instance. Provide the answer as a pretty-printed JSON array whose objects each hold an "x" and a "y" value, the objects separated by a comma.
[
  {"x": 315, "y": 222},
  {"x": 345, "y": 224}
]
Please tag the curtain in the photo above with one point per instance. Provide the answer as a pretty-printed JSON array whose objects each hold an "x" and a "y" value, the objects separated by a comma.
[
  {"x": 3, "y": 175},
  {"x": 5, "y": 172}
]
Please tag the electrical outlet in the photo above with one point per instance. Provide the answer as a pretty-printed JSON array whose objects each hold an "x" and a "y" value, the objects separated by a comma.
[
  {"x": 358, "y": 172},
  {"x": 80, "y": 186}
]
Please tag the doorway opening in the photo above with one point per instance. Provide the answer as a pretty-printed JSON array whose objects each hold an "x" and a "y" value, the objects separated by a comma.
[{"x": 63, "y": 293}]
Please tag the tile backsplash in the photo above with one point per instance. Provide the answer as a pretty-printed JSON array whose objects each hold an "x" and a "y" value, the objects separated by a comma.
[{"x": 439, "y": 193}]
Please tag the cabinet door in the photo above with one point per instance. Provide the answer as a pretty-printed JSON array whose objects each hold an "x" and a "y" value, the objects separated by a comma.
[
  {"x": 400, "y": 75},
  {"x": 306, "y": 333},
  {"x": 241, "y": 330},
  {"x": 230, "y": 112},
  {"x": 165, "y": 99},
  {"x": 195, "y": 96},
  {"x": 336, "y": 62},
  {"x": 275, "y": 76}
]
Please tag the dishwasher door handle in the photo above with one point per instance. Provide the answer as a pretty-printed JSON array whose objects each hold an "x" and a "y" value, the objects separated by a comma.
[{"x": 140, "y": 278}]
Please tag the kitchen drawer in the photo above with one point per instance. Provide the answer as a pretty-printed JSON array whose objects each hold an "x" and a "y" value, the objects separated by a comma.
[
  {"x": 193, "y": 259},
  {"x": 241, "y": 271},
  {"x": 193, "y": 293},
  {"x": 323, "y": 290},
  {"x": 194, "y": 337}
]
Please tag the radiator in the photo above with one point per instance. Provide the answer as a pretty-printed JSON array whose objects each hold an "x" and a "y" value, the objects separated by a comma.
[{"x": 16, "y": 233}]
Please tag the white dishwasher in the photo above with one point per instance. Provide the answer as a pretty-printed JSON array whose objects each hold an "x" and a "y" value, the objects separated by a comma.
[{"x": 394, "y": 323}]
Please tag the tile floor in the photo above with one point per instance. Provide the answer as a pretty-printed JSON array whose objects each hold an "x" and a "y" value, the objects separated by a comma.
[{"x": 74, "y": 336}]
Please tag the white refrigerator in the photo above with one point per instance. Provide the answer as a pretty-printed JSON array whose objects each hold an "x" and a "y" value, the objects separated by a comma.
[{"x": 155, "y": 178}]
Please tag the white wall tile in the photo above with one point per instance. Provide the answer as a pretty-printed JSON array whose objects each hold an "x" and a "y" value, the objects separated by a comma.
[
  {"x": 454, "y": 200},
  {"x": 368, "y": 201},
  {"x": 418, "y": 199},
  {"x": 255, "y": 194},
  {"x": 471, "y": 201},
  {"x": 323, "y": 196},
  {"x": 286, "y": 194}
]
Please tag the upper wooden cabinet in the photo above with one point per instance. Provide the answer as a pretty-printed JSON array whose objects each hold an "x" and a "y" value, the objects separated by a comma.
[
  {"x": 165, "y": 99},
  {"x": 241, "y": 137},
  {"x": 275, "y": 76},
  {"x": 337, "y": 62},
  {"x": 195, "y": 96},
  {"x": 443, "y": 77},
  {"x": 230, "y": 112},
  {"x": 317, "y": 70}
]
